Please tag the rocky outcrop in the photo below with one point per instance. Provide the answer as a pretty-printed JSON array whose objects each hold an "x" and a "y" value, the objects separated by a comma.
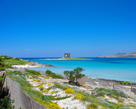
[{"x": 39, "y": 65}]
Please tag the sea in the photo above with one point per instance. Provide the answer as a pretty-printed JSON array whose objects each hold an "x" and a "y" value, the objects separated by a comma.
[{"x": 123, "y": 69}]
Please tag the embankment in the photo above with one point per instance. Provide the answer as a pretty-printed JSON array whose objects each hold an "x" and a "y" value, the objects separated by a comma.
[{"x": 18, "y": 95}]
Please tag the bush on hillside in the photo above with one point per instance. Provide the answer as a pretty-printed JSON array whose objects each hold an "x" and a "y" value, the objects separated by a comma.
[
  {"x": 48, "y": 72},
  {"x": 33, "y": 72},
  {"x": 53, "y": 75},
  {"x": 6, "y": 103},
  {"x": 2, "y": 65},
  {"x": 120, "y": 93},
  {"x": 1, "y": 78}
]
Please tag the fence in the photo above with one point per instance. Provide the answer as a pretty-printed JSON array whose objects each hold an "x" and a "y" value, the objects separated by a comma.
[{"x": 20, "y": 98}]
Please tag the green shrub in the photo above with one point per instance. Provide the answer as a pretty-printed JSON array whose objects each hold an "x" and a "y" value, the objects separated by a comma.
[
  {"x": 120, "y": 93},
  {"x": 6, "y": 103},
  {"x": 1, "y": 80},
  {"x": 58, "y": 85},
  {"x": 48, "y": 72},
  {"x": 103, "y": 89},
  {"x": 102, "y": 93},
  {"x": 41, "y": 89},
  {"x": 2, "y": 64},
  {"x": 124, "y": 108},
  {"x": 33, "y": 72},
  {"x": 92, "y": 106},
  {"x": 53, "y": 75}
]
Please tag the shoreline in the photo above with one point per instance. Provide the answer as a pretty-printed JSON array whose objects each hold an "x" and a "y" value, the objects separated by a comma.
[
  {"x": 31, "y": 65},
  {"x": 20, "y": 67},
  {"x": 87, "y": 77}
]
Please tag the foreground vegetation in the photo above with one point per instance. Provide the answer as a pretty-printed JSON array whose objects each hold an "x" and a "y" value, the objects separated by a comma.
[
  {"x": 7, "y": 62},
  {"x": 5, "y": 101},
  {"x": 53, "y": 75},
  {"x": 46, "y": 92}
]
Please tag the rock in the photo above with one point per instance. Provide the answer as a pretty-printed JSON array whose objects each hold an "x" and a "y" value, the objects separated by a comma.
[
  {"x": 40, "y": 65},
  {"x": 94, "y": 93}
]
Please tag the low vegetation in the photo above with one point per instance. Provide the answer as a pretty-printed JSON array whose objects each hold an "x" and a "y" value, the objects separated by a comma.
[
  {"x": 98, "y": 100},
  {"x": 7, "y": 61},
  {"x": 15, "y": 61},
  {"x": 33, "y": 72},
  {"x": 5, "y": 101},
  {"x": 53, "y": 75},
  {"x": 1, "y": 78},
  {"x": 111, "y": 93},
  {"x": 127, "y": 83},
  {"x": 75, "y": 58},
  {"x": 2, "y": 65}
]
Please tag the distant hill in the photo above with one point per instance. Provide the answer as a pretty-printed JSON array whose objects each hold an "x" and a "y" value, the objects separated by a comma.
[{"x": 123, "y": 55}]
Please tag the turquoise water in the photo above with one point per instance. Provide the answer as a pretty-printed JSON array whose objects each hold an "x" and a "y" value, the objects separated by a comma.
[{"x": 109, "y": 68}]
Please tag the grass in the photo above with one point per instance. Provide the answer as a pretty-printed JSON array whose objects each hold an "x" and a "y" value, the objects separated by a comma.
[
  {"x": 33, "y": 72},
  {"x": 15, "y": 61},
  {"x": 8, "y": 61},
  {"x": 1, "y": 79},
  {"x": 127, "y": 83},
  {"x": 75, "y": 58},
  {"x": 53, "y": 75},
  {"x": 111, "y": 93}
]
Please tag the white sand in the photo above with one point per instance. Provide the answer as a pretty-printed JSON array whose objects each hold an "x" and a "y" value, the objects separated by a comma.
[
  {"x": 70, "y": 102},
  {"x": 22, "y": 66}
]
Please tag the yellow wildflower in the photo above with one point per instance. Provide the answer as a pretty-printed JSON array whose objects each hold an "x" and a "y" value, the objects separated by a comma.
[
  {"x": 49, "y": 84},
  {"x": 69, "y": 90},
  {"x": 51, "y": 92},
  {"x": 36, "y": 80},
  {"x": 41, "y": 86},
  {"x": 79, "y": 96}
]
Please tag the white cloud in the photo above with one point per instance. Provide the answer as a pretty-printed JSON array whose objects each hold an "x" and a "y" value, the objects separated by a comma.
[{"x": 28, "y": 49}]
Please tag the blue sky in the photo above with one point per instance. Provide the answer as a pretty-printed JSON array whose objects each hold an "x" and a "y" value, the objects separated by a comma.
[{"x": 49, "y": 28}]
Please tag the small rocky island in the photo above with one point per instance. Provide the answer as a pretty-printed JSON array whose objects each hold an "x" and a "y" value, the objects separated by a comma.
[{"x": 67, "y": 57}]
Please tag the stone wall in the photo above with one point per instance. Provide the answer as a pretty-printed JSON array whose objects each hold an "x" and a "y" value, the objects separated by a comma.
[
  {"x": 134, "y": 90},
  {"x": 109, "y": 83},
  {"x": 20, "y": 98}
]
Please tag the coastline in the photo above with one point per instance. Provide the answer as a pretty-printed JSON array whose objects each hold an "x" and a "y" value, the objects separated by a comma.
[
  {"x": 31, "y": 65},
  {"x": 20, "y": 67},
  {"x": 99, "y": 79}
]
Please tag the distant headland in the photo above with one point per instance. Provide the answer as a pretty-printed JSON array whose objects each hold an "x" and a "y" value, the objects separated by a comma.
[{"x": 122, "y": 55}]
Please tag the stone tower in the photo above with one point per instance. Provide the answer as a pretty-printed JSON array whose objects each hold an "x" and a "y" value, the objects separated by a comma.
[{"x": 67, "y": 55}]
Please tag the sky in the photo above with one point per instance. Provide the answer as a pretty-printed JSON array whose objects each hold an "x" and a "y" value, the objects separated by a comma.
[{"x": 50, "y": 28}]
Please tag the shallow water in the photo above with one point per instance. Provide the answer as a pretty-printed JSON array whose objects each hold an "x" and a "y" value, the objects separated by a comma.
[{"x": 109, "y": 68}]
